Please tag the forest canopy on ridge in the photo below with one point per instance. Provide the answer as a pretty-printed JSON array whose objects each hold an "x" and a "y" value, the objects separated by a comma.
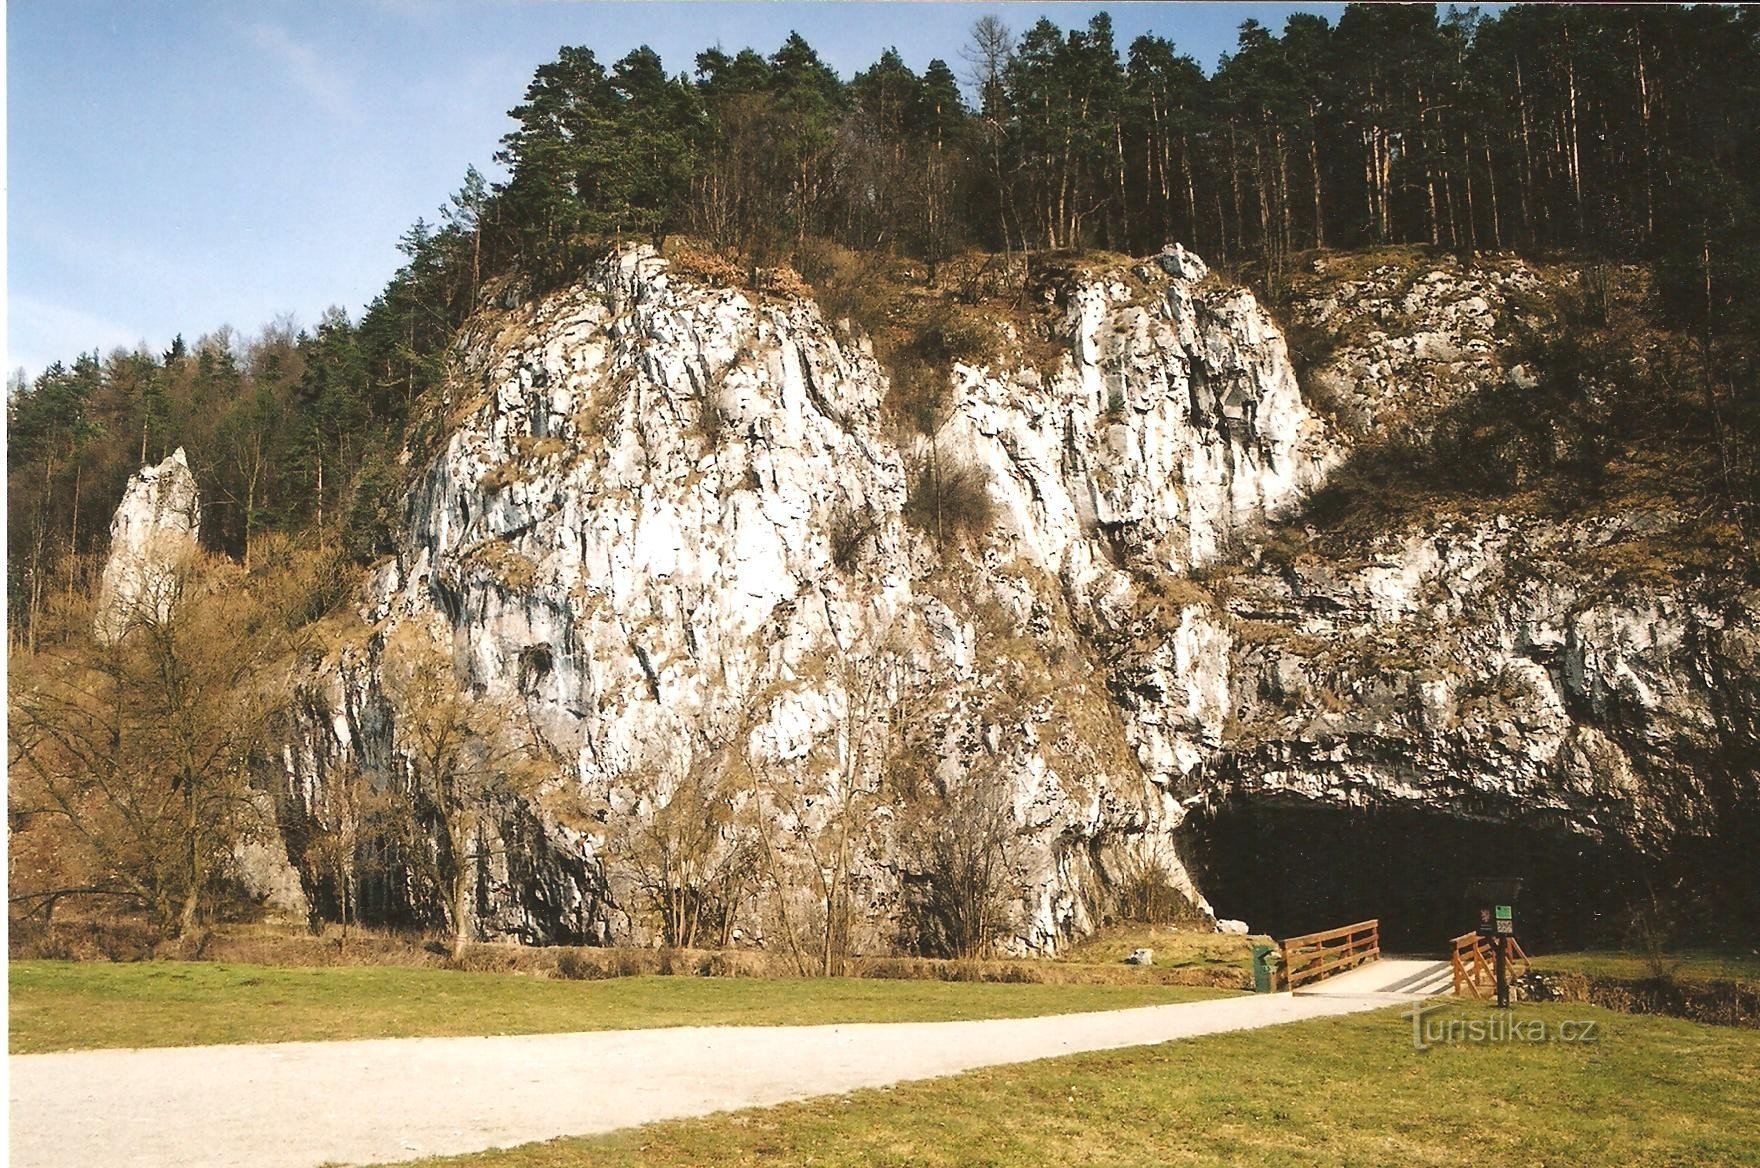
[{"x": 1628, "y": 133}]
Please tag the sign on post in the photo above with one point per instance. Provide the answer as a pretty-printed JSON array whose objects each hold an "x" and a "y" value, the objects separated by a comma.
[
  {"x": 1494, "y": 899},
  {"x": 1505, "y": 918}
]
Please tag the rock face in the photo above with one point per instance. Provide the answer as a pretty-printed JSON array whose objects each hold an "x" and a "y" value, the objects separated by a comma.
[
  {"x": 667, "y": 521},
  {"x": 155, "y": 525},
  {"x": 665, "y": 524},
  {"x": 1551, "y": 675}
]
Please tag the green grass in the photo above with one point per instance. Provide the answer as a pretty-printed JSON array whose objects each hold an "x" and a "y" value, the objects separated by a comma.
[
  {"x": 76, "y": 1005},
  {"x": 1347, "y": 1091},
  {"x": 1693, "y": 963}
]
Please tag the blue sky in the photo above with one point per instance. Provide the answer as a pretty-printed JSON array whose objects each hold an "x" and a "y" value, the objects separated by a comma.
[{"x": 173, "y": 167}]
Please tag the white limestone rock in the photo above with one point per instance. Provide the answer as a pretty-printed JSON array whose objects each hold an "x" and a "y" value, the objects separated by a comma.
[
  {"x": 666, "y": 520},
  {"x": 154, "y": 527},
  {"x": 628, "y": 527}
]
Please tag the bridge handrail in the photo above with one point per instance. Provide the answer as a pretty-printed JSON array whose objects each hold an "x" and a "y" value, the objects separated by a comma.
[
  {"x": 1472, "y": 958},
  {"x": 1315, "y": 956}
]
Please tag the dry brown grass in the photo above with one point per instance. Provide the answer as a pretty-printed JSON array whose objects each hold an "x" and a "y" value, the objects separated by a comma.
[
  {"x": 507, "y": 567},
  {"x": 694, "y": 260},
  {"x": 285, "y": 946},
  {"x": 1040, "y": 971},
  {"x": 1222, "y": 956}
]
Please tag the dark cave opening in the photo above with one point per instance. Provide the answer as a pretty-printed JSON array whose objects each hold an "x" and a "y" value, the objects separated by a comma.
[{"x": 1288, "y": 866}]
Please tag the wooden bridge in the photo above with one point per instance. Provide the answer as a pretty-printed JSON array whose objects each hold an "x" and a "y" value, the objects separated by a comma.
[
  {"x": 1347, "y": 960},
  {"x": 1473, "y": 966}
]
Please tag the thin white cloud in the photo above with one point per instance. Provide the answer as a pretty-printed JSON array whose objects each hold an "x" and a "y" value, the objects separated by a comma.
[
  {"x": 328, "y": 88},
  {"x": 421, "y": 10},
  {"x": 41, "y": 332}
]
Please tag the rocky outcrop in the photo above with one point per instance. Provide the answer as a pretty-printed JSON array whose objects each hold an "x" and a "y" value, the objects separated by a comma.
[
  {"x": 665, "y": 524},
  {"x": 1474, "y": 665},
  {"x": 153, "y": 533},
  {"x": 1482, "y": 661},
  {"x": 1403, "y": 342},
  {"x": 668, "y": 521},
  {"x": 155, "y": 526}
]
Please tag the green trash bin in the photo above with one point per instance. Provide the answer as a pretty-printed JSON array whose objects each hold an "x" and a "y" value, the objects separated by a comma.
[{"x": 1264, "y": 968}]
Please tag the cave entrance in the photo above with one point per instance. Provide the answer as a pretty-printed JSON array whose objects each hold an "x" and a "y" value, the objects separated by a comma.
[{"x": 1289, "y": 866}]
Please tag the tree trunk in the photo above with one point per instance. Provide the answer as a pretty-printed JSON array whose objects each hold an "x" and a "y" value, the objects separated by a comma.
[
  {"x": 1234, "y": 183},
  {"x": 1185, "y": 162},
  {"x": 1491, "y": 185},
  {"x": 1124, "y": 207},
  {"x": 73, "y": 535},
  {"x": 1472, "y": 212},
  {"x": 1644, "y": 137},
  {"x": 192, "y": 895},
  {"x": 320, "y": 496},
  {"x": 1525, "y": 187},
  {"x": 250, "y": 510},
  {"x": 1284, "y": 224},
  {"x": 461, "y": 903},
  {"x": 1314, "y": 174},
  {"x": 347, "y": 893},
  {"x": 1576, "y": 166}
]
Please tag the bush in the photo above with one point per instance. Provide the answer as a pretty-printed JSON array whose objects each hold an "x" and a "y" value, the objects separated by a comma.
[
  {"x": 850, "y": 532},
  {"x": 921, "y": 396},
  {"x": 1146, "y": 895},
  {"x": 299, "y": 583},
  {"x": 950, "y": 501},
  {"x": 573, "y": 965},
  {"x": 848, "y": 285},
  {"x": 963, "y": 834},
  {"x": 950, "y": 334},
  {"x": 485, "y": 959}
]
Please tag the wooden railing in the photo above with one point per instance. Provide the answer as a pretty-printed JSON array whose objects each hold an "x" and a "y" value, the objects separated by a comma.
[
  {"x": 1316, "y": 956},
  {"x": 1474, "y": 959}
]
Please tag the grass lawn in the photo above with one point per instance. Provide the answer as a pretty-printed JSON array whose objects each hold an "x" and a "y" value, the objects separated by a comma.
[
  {"x": 1174, "y": 947},
  {"x": 1346, "y": 1091},
  {"x": 1687, "y": 963},
  {"x": 68, "y": 1005}
]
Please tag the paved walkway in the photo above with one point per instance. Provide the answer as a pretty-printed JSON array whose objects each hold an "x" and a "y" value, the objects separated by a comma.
[
  {"x": 1401, "y": 977},
  {"x": 302, "y": 1104}
]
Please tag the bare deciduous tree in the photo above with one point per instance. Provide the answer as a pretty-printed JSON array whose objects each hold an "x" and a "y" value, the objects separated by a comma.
[
  {"x": 466, "y": 759},
  {"x": 139, "y": 746},
  {"x": 961, "y": 836},
  {"x": 685, "y": 852},
  {"x": 815, "y": 813},
  {"x": 349, "y": 824}
]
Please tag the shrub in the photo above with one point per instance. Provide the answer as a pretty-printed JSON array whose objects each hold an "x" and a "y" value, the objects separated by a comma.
[
  {"x": 298, "y": 583},
  {"x": 964, "y": 837},
  {"x": 950, "y": 334},
  {"x": 1146, "y": 894},
  {"x": 850, "y": 532},
  {"x": 848, "y": 285},
  {"x": 693, "y": 260},
  {"x": 484, "y": 959},
  {"x": 574, "y": 965},
  {"x": 950, "y": 501},
  {"x": 921, "y": 396}
]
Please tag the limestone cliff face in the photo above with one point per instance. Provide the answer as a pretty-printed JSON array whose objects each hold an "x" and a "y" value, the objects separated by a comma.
[
  {"x": 666, "y": 523},
  {"x": 1483, "y": 663},
  {"x": 667, "y": 520}
]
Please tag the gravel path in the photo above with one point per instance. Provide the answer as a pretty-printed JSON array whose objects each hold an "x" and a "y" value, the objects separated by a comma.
[{"x": 301, "y": 1104}]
